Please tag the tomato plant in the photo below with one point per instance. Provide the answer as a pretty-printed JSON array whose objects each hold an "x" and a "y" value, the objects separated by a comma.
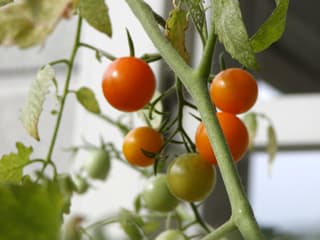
[
  {"x": 234, "y": 90},
  {"x": 128, "y": 84},
  {"x": 157, "y": 196},
  {"x": 171, "y": 234},
  {"x": 235, "y": 133},
  {"x": 140, "y": 144},
  {"x": 36, "y": 203},
  {"x": 190, "y": 177}
]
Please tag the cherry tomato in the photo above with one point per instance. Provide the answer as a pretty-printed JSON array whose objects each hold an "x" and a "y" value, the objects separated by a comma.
[
  {"x": 139, "y": 145},
  {"x": 234, "y": 131},
  {"x": 190, "y": 177},
  {"x": 97, "y": 165},
  {"x": 157, "y": 196},
  {"x": 234, "y": 90},
  {"x": 171, "y": 234},
  {"x": 128, "y": 84},
  {"x": 81, "y": 184}
]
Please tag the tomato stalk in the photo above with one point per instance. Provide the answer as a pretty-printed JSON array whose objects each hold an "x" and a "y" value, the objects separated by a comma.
[{"x": 196, "y": 83}]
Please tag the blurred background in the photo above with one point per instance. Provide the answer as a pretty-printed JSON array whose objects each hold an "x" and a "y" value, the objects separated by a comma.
[{"x": 285, "y": 200}]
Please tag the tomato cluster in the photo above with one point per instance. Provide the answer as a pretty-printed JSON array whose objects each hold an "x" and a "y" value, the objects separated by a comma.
[
  {"x": 128, "y": 85},
  {"x": 233, "y": 91}
]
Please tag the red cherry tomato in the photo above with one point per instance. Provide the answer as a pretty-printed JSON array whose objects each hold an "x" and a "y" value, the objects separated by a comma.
[
  {"x": 234, "y": 131},
  {"x": 128, "y": 84},
  {"x": 234, "y": 90}
]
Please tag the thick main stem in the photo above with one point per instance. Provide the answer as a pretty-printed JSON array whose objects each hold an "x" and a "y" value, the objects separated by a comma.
[{"x": 196, "y": 83}]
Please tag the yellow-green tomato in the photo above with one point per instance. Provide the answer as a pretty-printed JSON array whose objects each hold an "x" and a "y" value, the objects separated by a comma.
[
  {"x": 157, "y": 196},
  {"x": 97, "y": 165},
  {"x": 190, "y": 177},
  {"x": 171, "y": 235}
]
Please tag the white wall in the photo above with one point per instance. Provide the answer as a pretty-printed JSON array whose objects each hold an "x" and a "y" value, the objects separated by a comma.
[{"x": 288, "y": 198}]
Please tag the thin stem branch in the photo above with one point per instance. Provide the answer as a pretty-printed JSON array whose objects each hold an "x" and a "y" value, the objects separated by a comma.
[
  {"x": 198, "y": 217},
  {"x": 97, "y": 50},
  {"x": 204, "y": 67},
  {"x": 102, "y": 223},
  {"x": 64, "y": 96}
]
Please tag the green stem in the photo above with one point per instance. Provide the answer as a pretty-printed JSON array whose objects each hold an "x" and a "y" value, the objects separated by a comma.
[
  {"x": 198, "y": 217},
  {"x": 122, "y": 127},
  {"x": 103, "y": 53},
  {"x": 64, "y": 96},
  {"x": 221, "y": 231},
  {"x": 102, "y": 223},
  {"x": 196, "y": 83}
]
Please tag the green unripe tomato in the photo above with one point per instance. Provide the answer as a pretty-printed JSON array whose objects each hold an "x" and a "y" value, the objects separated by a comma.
[
  {"x": 157, "y": 196},
  {"x": 190, "y": 177},
  {"x": 171, "y": 235},
  {"x": 97, "y": 165},
  {"x": 81, "y": 184}
]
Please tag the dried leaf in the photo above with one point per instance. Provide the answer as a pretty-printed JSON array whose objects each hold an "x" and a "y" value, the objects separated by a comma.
[{"x": 33, "y": 106}]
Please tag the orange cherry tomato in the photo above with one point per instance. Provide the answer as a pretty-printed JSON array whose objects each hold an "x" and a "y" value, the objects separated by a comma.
[
  {"x": 234, "y": 90},
  {"x": 128, "y": 84},
  {"x": 234, "y": 131},
  {"x": 140, "y": 143}
]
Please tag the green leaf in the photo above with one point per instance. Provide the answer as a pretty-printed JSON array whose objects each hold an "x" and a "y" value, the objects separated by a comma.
[
  {"x": 131, "y": 224},
  {"x": 11, "y": 165},
  {"x": 4, "y": 2},
  {"x": 137, "y": 203},
  {"x": 272, "y": 29},
  {"x": 272, "y": 145},
  {"x": 88, "y": 100},
  {"x": 30, "y": 211},
  {"x": 33, "y": 106},
  {"x": 250, "y": 120},
  {"x": 232, "y": 33},
  {"x": 28, "y": 22},
  {"x": 96, "y": 13},
  {"x": 66, "y": 187},
  {"x": 176, "y": 25},
  {"x": 197, "y": 13}
]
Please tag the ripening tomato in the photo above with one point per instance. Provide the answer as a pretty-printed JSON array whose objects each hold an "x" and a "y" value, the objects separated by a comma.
[
  {"x": 139, "y": 145},
  {"x": 190, "y": 177},
  {"x": 234, "y": 90},
  {"x": 128, "y": 84},
  {"x": 157, "y": 196},
  {"x": 234, "y": 131}
]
